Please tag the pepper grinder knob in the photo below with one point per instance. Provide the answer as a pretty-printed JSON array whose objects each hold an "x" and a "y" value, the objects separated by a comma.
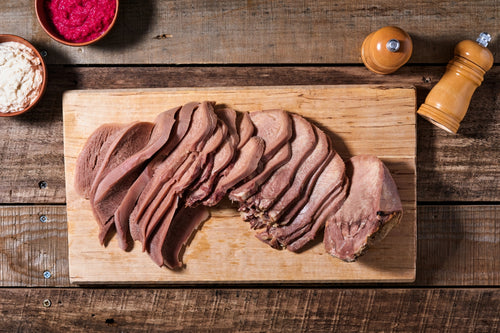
[
  {"x": 386, "y": 50},
  {"x": 447, "y": 103}
]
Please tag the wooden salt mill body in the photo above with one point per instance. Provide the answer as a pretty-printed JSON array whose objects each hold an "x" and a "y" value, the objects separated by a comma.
[
  {"x": 384, "y": 51},
  {"x": 448, "y": 101}
]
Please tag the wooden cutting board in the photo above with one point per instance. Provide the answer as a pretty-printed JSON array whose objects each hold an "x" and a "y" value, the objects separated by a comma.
[{"x": 359, "y": 119}]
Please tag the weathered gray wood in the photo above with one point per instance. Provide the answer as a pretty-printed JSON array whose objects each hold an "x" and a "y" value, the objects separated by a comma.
[
  {"x": 250, "y": 310},
  {"x": 261, "y": 31},
  {"x": 457, "y": 245},
  {"x": 461, "y": 167},
  {"x": 30, "y": 247}
]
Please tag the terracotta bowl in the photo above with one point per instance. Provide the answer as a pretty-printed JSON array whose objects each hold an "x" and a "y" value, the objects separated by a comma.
[
  {"x": 47, "y": 25},
  {"x": 13, "y": 38}
]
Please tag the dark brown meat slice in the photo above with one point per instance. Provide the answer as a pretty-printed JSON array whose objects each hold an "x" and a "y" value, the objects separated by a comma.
[
  {"x": 203, "y": 124},
  {"x": 130, "y": 140},
  {"x": 245, "y": 129},
  {"x": 302, "y": 144},
  {"x": 185, "y": 223},
  {"x": 246, "y": 163},
  {"x": 115, "y": 185},
  {"x": 244, "y": 191},
  {"x": 274, "y": 127},
  {"x": 311, "y": 166},
  {"x": 94, "y": 150},
  {"x": 370, "y": 211},
  {"x": 329, "y": 181}
]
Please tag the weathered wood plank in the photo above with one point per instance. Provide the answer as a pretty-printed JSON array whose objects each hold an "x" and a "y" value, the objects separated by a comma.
[
  {"x": 33, "y": 240},
  {"x": 251, "y": 310},
  {"x": 461, "y": 167},
  {"x": 260, "y": 31},
  {"x": 457, "y": 245}
]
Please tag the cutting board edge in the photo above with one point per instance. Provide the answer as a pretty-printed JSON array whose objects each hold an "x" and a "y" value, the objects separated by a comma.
[{"x": 215, "y": 88}]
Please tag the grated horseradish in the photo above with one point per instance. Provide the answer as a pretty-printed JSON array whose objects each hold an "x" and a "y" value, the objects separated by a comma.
[{"x": 20, "y": 76}]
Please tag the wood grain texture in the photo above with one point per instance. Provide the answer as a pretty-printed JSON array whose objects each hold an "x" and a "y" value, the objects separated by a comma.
[
  {"x": 224, "y": 250},
  {"x": 251, "y": 310},
  {"x": 461, "y": 167},
  {"x": 456, "y": 246},
  {"x": 260, "y": 31},
  {"x": 454, "y": 239},
  {"x": 30, "y": 247}
]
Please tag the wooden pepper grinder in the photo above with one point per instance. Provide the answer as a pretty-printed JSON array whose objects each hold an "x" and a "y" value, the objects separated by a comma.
[
  {"x": 448, "y": 101},
  {"x": 386, "y": 50}
]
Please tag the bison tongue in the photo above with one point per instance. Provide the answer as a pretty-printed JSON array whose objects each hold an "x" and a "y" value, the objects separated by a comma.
[{"x": 185, "y": 222}]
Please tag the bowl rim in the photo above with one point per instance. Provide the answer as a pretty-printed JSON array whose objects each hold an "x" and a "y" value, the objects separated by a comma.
[
  {"x": 44, "y": 22},
  {"x": 14, "y": 38}
]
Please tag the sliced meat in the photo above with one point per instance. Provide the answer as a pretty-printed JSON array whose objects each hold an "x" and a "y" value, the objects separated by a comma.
[
  {"x": 129, "y": 141},
  {"x": 163, "y": 215},
  {"x": 185, "y": 223},
  {"x": 183, "y": 121},
  {"x": 308, "y": 233},
  {"x": 228, "y": 116},
  {"x": 245, "y": 164},
  {"x": 245, "y": 129},
  {"x": 209, "y": 151},
  {"x": 274, "y": 127},
  {"x": 155, "y": 246},
  {"x": 87, "y": 162},
  {"x": 302, "y": 144},
  {"x": 370, "y": 211},
  {"x": 244, "y": 191},
  {"x": 302, "y": 178},
  {"x": 203, "y": 124},
  {"x": 221, "y": 159},
  {"x": 115, "y": 185},
  {"x": 329, "y": 181},
  {"x": 180, "y": 182},
  {"x": 145, "y": 222}
]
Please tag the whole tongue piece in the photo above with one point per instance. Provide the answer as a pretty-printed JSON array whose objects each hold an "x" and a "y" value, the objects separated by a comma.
[{"x": 370, "y": 211}]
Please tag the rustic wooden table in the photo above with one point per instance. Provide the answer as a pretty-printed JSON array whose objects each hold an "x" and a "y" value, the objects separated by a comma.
[{"x": 232, "y": 43}]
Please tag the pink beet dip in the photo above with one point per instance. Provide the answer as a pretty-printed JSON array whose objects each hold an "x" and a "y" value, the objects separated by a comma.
[{"x": 80, "y": 21}]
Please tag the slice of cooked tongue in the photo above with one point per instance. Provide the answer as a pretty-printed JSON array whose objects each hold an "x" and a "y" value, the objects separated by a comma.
[
  {"x": 245, "y": 128},
  {"x": 221, "y": 159},
  {"x": 87, "y": 163},
  {"x": 185, "y": 222},
  {"x": 370, "y": 211},
  {"x": 246, "y": 163},
  {"x": 306, "y": 172},
  {"x": 115, "y": 185},
  {"x": 302, "y": 143},
  {"x": 203, "y": 123},
  {"x": 129, "y": 141},
  {"x": 274, "y": 127}
]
